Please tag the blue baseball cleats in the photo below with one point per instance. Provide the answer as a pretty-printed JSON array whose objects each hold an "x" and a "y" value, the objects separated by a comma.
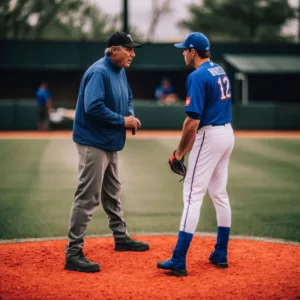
[
  {"x": 219, "y": 256},
  {"x": 177, "y": 264}
]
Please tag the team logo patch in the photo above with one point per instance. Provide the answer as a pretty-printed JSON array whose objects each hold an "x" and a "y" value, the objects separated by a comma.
[{"x": 187, "y": 101}]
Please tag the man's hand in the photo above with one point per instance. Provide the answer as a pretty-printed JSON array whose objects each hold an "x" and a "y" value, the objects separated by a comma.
[
  {"x": 178, "y": 155},
  {"x": 177, "y": 165},
  {"x": 139, "y": 124},
  {"x": 132, "y": 122}
]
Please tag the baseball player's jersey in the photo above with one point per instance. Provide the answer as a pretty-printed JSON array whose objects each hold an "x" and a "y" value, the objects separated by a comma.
[
  {"x": 209, "y": 95},
  {"x": 42, "y": 97}
]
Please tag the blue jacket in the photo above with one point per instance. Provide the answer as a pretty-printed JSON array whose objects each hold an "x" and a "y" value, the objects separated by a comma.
[{"x": 104, "y": 99}]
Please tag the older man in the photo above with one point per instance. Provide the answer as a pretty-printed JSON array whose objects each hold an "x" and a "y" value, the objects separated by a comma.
[{"x": 103, "y": 113}]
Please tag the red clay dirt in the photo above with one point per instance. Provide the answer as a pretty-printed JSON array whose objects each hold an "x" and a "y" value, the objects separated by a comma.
[
  {"x": 145, "y": 134},
  {"x": 265, "y": 270}
]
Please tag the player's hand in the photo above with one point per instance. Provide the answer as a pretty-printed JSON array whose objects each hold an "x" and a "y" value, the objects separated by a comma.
[
  {"x": 177, "y": 166},
  {"x": 178, "y": 156}
]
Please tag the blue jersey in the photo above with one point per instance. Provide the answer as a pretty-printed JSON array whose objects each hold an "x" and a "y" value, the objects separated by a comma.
[
  {"x": 209, "y": 95},
  {"x": 42, "y": 97}
]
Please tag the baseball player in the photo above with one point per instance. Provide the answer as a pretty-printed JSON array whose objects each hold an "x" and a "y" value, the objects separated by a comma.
[{"x": 208, "y": 134}]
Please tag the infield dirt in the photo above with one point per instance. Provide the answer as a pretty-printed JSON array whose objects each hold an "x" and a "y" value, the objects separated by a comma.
[{"x": 35, "y": 270}]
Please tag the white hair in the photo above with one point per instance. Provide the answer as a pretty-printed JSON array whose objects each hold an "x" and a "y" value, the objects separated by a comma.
[{"x": 108, "y": 51}]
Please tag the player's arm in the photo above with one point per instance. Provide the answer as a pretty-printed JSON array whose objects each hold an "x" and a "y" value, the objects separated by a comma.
[
  {"x": 189, "y": 131},
  {"x": 193, "y": 108}
]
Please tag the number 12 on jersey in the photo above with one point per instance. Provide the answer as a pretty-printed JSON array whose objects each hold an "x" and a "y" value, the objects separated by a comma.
[{"x": 224, "y": 85}]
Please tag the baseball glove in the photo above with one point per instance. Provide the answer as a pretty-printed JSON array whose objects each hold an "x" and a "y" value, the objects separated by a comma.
[{"x": 177, "y": 166}]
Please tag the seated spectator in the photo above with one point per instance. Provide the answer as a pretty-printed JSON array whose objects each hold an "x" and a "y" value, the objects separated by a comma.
[{"x": 165, "y": 93}]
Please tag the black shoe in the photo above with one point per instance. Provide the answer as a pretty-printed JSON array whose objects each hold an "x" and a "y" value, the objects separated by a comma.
[
  {"x": 128, "y": 244},
  {"x": 80, "y": 263}
]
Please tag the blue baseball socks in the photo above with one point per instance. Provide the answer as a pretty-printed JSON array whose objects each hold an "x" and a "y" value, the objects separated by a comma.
[
  {"x": 219, "y": 256},
  {"x": 177, "y": 264}
]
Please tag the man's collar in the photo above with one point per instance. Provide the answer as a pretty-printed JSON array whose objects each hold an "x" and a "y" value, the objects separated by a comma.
[{"x": 112, "y": 64}]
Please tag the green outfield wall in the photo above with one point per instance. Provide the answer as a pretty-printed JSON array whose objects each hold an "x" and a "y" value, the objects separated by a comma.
[
  {"x": 22, "y": 115},
  {"x": 25, "y": 63},
  {"x": 78, "y": 55}
]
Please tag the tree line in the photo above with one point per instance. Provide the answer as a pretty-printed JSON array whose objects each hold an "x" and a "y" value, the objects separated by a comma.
[{"x": 221, "y": 20}]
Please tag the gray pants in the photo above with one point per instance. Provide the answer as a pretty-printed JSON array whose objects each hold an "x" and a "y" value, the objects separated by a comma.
[{"x": 98, "y": 179}]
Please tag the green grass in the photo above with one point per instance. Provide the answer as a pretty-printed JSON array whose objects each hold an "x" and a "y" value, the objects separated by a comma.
[{"x": 39, "y": 177}]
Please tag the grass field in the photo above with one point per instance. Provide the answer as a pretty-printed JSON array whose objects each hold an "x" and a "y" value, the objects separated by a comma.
[{"x": 38, "y": 180}]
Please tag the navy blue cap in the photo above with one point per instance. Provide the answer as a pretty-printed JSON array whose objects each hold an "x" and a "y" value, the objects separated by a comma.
[
  {"x": 120, "y": 38},
  {"x": 195, "y": 40}
]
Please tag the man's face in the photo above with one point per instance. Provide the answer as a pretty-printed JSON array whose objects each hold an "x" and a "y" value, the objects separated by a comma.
[
  {"x": 189, "y": 57},
  {"x": 123, "y": 57},
  {"x": 166, "y": 84},
  {"x": 44, "y": 86}
]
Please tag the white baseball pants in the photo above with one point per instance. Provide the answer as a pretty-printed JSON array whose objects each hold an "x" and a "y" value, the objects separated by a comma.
[{"x": 208, "y": 169}]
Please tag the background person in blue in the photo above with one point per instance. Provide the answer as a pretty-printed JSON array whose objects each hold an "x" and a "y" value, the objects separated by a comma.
[
  {"x": 208, "y": 134},
  {"x": 103, "y": 113},
  {"x": 165, "y": 93},
  {"x": 44, "y": 104}
]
